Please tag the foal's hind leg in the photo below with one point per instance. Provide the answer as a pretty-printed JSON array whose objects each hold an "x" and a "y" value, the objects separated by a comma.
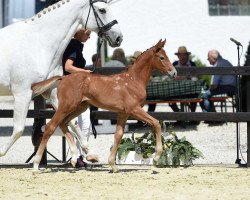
[
  {"x": 49, "y": 130},
  {"x": 76, "y": 131},
  {"x": 71, "y": 143},
  {"x": 79, "y": 135},
  {"x": 21, "y": 106},
  {"x": 140, "y": 114},
  {"x": 57, "y": 119},
  {"x": 52, "y": 96},
  {"x": 64, "y": 126},
  {"x": 121, "y": 121}
]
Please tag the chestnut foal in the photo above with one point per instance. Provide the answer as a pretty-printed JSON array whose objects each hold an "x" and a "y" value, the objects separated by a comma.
[{"x": 124, "y": 93}]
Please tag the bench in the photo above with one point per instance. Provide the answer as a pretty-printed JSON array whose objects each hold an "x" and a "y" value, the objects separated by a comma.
[
  {"x": 223, "y": 100},
  {"x": 175, "y": 91},
  {"x": 184, "y": 102},
  {"x": 183, "y": 92}
]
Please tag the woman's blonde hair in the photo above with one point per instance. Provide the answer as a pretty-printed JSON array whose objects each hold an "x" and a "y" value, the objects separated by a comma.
[{"x": 80, "y": 32}]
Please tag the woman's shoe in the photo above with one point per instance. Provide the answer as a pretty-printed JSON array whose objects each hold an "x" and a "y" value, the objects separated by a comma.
[{"x": 80, "y": 163}]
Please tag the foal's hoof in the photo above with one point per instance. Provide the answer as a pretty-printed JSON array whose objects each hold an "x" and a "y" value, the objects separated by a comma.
[
  {"x": 36, "y": 171},
  {"x": 114, "y": 169},
  {"x": 92, "y": 158},
  {"x": 156, "y": 161}
]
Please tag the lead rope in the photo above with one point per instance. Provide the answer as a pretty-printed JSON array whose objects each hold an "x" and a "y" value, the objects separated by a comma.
[
  {"x": 92, "y": 116},
  {"x": 94, "y": 67}
]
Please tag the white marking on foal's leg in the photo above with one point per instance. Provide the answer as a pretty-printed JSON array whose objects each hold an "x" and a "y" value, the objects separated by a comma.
[
  {"x": 73, "y": 148},
  {"x": 36, "y": 162}
]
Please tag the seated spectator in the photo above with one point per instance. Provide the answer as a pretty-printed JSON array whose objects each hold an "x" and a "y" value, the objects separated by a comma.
[
  {"x": 134, "y": 57},
  {"x": 184, "y": 61},
  {"x": 118, "y": 59},
  {"x": 96, "y": 60},
  {"x": 220, "y": 84}
]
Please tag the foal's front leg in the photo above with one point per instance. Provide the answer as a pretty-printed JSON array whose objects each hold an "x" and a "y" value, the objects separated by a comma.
[
  {"x": 121, "y": 121},
  {"x": 141, "y": 115}
]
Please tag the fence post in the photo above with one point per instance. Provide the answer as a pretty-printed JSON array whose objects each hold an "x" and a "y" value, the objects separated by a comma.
[
  {"x": 248, "y": 123},
  {"x": 39, "y": 103}
]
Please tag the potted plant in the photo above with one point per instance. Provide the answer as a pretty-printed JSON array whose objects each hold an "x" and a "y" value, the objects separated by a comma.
[{"x": 140, "y": 149}]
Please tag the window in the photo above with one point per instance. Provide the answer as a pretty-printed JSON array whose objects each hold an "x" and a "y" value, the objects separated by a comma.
[
  {"x": 229, "y": 7},
  {"x": 41, "y": 4},
  {"x": 5, "y": 12}
]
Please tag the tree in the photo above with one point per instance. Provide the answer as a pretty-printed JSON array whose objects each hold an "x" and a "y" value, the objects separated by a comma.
[{"x": 198, "y": 62}]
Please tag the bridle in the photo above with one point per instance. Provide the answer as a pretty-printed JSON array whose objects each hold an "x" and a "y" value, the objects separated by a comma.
[
  {"x": 102, "y": 29},
  {"x": 101, "y": 26}
]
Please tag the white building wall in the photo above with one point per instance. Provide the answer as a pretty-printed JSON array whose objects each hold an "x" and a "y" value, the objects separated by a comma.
[{"x": 181, "y": 22}]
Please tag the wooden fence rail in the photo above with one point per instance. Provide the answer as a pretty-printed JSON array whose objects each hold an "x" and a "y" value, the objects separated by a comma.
[{"x": 108, "y": 115}]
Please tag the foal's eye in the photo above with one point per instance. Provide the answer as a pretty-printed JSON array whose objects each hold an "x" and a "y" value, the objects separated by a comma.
[
  {"x": 161, "y": 58},
  {"x": 102, "y": 11}
]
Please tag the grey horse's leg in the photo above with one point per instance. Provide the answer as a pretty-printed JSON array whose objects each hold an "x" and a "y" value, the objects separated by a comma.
[{"x": 21, "y": 106}]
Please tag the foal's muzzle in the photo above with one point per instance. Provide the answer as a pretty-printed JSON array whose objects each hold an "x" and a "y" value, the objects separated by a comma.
[{"x": 172, "y": 74}]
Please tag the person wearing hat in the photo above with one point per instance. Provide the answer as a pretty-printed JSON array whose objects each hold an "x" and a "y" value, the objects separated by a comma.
[
  {"x": 183, "y": 61},
  {"x": 134, "y": 57}
]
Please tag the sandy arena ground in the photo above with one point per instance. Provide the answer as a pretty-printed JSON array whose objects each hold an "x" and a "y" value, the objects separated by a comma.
[
  {"x": 214, "y": 177},
  {"x": 132, "y": 182}
]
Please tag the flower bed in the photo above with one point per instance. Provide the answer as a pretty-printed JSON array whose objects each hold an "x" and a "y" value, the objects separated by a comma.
[{"x": 176, "y": 151}]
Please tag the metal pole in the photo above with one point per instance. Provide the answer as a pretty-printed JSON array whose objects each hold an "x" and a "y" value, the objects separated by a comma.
[
  {"x": 64, "y": 156},
  {"x": 238, "y": 108}
]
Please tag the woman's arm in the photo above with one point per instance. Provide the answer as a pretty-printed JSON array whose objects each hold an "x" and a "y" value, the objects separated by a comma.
[{"x": 69, "y": 67}]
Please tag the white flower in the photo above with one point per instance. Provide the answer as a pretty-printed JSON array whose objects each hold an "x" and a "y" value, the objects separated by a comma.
[
  {"x": 169, "y": 137},
  {"x": 165, "y": 134}
]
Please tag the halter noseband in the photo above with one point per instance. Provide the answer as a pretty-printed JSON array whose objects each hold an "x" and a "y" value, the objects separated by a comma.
[{"x": 101, "y": 26}]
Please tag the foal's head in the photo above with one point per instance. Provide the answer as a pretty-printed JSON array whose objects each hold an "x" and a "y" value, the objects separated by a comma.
[{"x": 160, "y": 60}]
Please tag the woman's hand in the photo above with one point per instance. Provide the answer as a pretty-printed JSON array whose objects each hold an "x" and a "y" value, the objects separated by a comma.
[{"x": 87, "y": 70}]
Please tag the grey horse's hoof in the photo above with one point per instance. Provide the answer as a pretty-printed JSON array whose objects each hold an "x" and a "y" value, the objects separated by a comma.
[{"x": 73, "y": 163}]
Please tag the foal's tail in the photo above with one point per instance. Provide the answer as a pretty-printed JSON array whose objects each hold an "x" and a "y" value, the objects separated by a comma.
[{"x": 43, "y": 86}]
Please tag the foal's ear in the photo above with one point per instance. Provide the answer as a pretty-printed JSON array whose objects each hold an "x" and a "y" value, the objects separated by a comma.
[{"x": 159, "y": 45}]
